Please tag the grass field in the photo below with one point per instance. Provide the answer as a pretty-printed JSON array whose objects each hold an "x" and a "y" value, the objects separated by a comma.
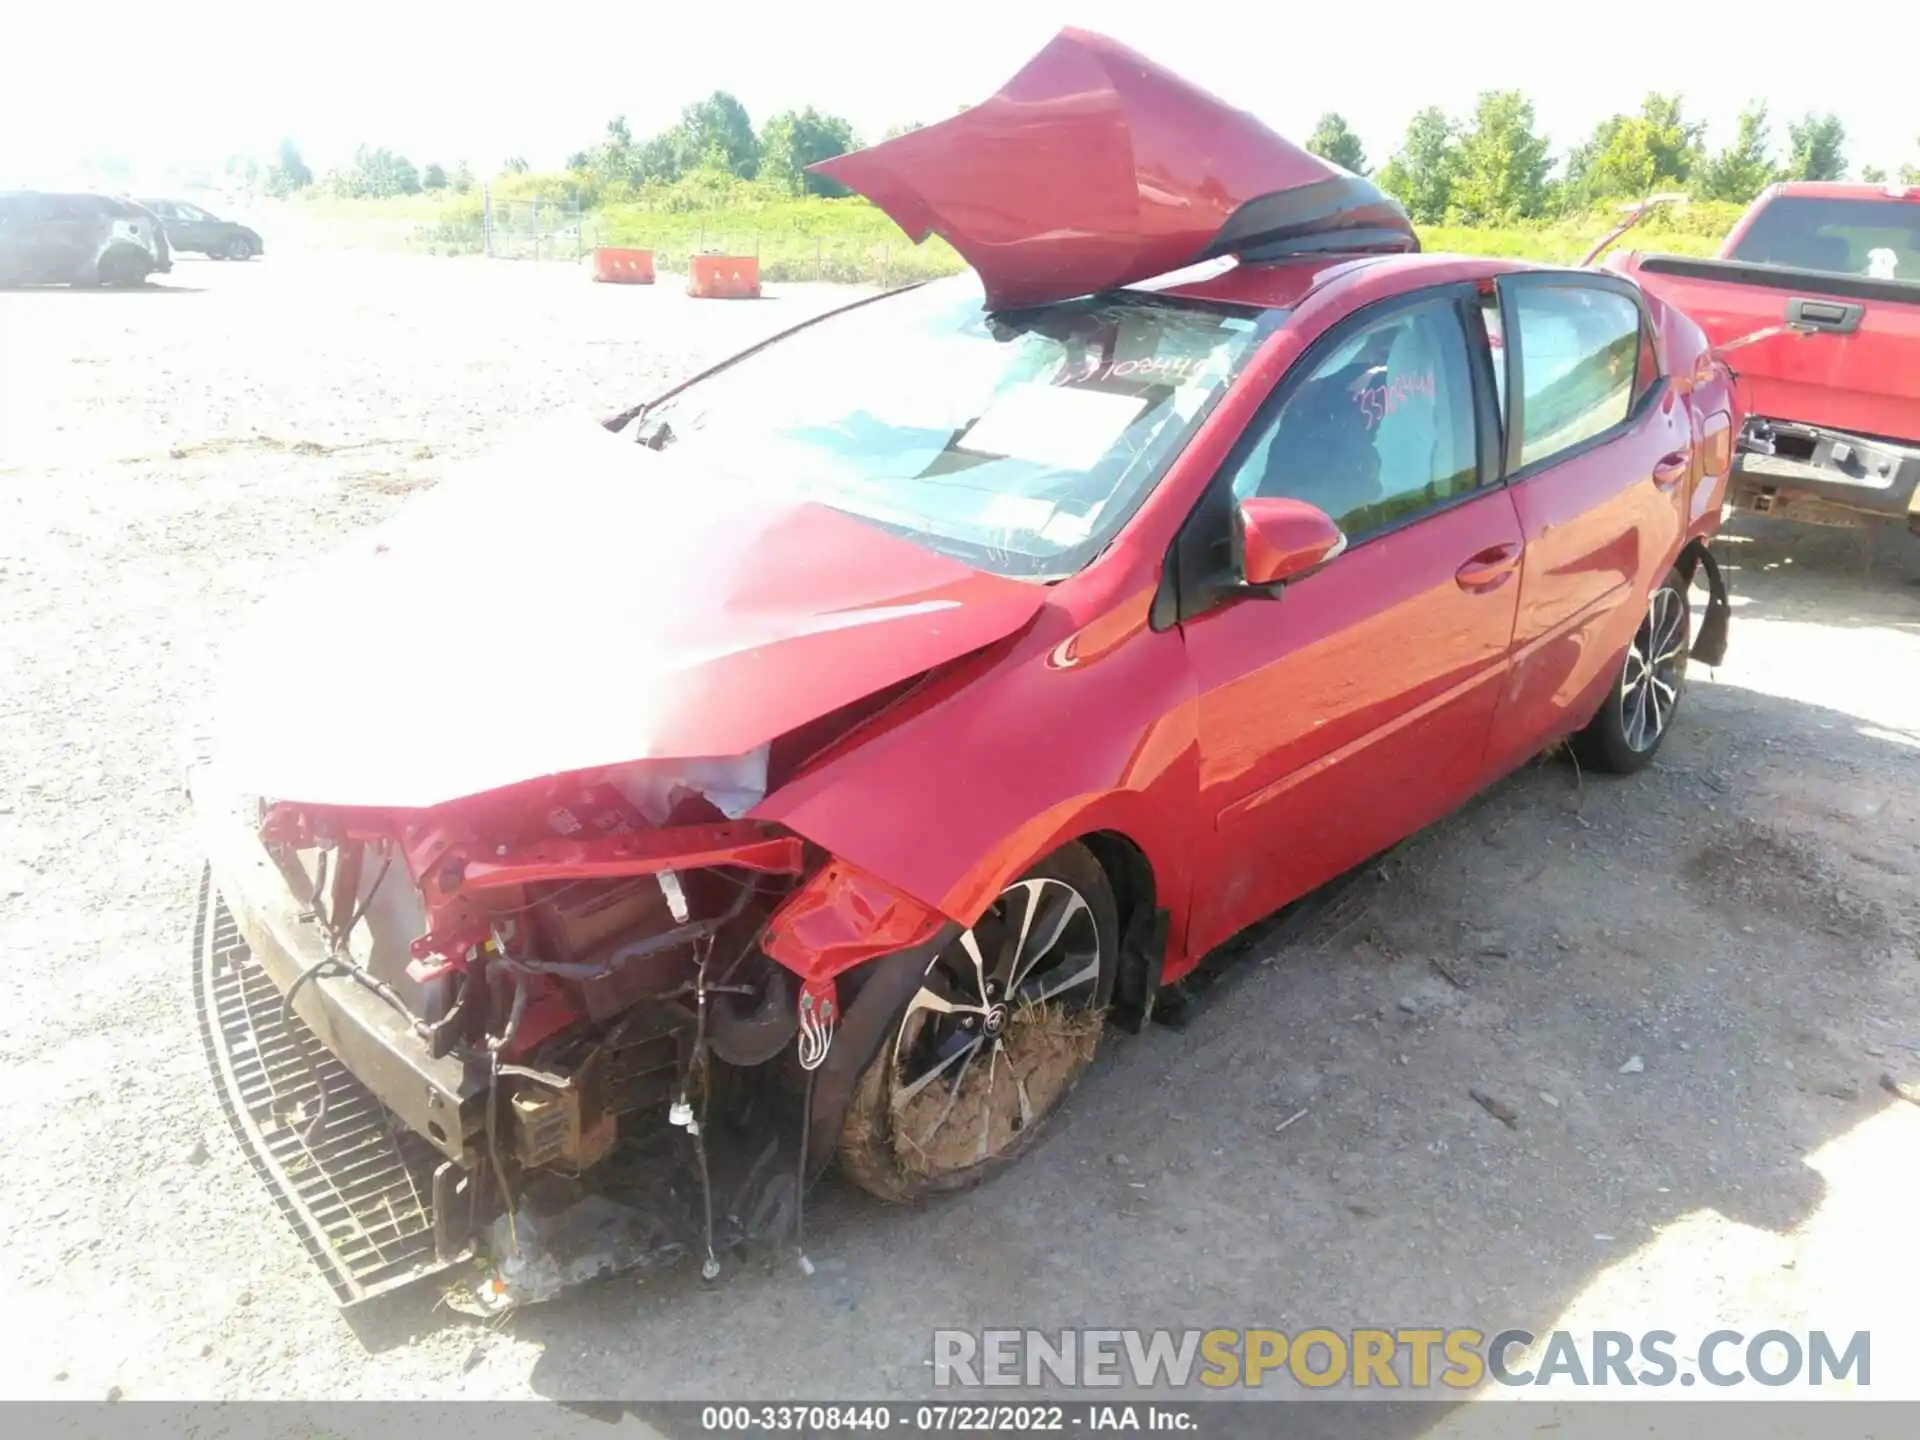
[{"x": 844, "y": 240}]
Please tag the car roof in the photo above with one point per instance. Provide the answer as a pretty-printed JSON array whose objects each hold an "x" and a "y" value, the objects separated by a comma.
[{"x": 69, "y": 195}]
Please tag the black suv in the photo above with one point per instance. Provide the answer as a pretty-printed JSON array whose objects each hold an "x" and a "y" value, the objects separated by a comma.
[
  {"x": 53, "y": 238},
  {"x": 191, "y": 228}
]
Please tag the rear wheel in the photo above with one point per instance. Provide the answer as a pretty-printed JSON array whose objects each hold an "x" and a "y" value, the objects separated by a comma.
[
  {"x": 124, "y": 269},
  {"x": 1639, "y": 709},
  {"x": 1005, "y": 1023}
]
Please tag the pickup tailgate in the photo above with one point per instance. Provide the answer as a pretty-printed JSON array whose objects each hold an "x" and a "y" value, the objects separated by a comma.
[{"x": 1837, "y": 351}]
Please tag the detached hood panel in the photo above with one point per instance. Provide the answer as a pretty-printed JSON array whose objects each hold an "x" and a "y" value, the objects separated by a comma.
[
  {"x": 1095, "y": 168},
  {"x": 582, "y": 602}
]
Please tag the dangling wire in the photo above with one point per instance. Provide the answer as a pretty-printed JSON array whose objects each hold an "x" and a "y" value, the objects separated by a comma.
[
  {"x": 337, "y": 956},
  {"x": 495, "y": 1044},
  {"x": 682, "y": 1111},
  {"x": 800, "y": 1179}
]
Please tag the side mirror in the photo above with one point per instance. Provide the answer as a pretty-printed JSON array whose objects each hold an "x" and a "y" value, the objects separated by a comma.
[{"x": 1275, "y": 539}]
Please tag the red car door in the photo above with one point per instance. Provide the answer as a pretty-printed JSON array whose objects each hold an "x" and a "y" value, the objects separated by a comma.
[
  {"x": 1356, "y": 706},
  {"x": 1599, "y": 453}
]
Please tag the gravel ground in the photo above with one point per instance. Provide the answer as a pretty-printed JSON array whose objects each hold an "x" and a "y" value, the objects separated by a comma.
[{"x": 1740, "y": 920}]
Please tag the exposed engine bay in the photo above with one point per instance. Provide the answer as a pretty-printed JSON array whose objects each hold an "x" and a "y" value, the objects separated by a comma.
[{"x": 580, "y": 966}]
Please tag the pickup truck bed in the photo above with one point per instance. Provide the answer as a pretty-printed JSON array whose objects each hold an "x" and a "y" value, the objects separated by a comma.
[{"x": 1819, "y": 316}]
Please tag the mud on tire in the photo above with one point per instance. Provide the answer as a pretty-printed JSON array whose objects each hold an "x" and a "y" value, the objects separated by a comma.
[{"x": 957, "y": 1092}]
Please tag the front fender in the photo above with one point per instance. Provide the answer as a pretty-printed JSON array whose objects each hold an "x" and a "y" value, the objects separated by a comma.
[{"x": 1078, "y": 727}]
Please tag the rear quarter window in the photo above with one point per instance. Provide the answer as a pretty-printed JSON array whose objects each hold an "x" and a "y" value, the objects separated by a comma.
[{"x": 1839, "y": 236}]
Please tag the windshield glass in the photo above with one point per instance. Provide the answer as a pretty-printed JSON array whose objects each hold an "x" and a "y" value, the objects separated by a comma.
[
  {"x": 1018, "y": 442},
  {"x": 1877, "y": 238}
]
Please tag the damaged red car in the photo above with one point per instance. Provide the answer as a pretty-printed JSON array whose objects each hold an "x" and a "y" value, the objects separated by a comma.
[{"x": 821, "y": 758}]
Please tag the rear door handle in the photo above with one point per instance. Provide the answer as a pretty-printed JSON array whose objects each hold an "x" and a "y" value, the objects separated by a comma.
[
  {"x": 1488, "y": 570},
  {"x": 1811, "y": 314},
  {"x": 1672, "y": 469}
]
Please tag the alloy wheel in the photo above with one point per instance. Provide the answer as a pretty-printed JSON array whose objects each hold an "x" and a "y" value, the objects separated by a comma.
[
  {"x": 1655, "y": 666},
  {"x": 1000, "y": 1029}
]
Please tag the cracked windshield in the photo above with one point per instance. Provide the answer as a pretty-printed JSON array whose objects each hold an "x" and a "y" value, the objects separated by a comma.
[{"x": 1018, "y": 442}]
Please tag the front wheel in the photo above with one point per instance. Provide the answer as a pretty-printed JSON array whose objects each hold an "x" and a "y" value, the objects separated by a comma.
[
  {"x": 1634, "y": 718},
  {"x": 1003, "y": 1026},
  {"x": 239, "y": 248}
]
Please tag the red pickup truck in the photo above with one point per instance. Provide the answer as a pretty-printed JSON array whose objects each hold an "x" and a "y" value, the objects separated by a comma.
[{"x": 1814, "y": 300}]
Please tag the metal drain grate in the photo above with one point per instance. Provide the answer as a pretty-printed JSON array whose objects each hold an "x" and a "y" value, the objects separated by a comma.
[{"x": 358, "y": 1197}]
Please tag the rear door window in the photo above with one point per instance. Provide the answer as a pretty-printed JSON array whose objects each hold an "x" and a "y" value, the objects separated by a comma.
[
  {"x": 1580, "y": 355},
  {"x": 1876, "y": 238}
]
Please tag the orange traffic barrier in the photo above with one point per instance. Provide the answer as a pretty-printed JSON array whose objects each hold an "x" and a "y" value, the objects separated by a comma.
[
  {"x": 623, "y": 267},
  {"x": 723, "y": 277}
]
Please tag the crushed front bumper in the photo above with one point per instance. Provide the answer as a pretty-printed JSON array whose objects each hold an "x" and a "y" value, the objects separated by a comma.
[
  {"x": 380, "y": 1191},
  {"x": 442, "y": 1099},
  {"x": 370, "y": 1201},
  {"x": 391, "y": 1186}
]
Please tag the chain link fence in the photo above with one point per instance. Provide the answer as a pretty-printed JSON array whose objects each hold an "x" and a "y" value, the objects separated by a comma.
[{"x": 507, "y": 230}]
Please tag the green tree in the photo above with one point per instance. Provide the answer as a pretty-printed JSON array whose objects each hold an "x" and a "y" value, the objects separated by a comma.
[
  {"x": 1816, "y": 148},
  {"x": 1744, "y": 168},
  {"x": 894, "y": 132},
  {"x": 1501, "y": 170},
  {"x": 1635, "y": 155},
  {"x": 1420, "y": 175},
  {"x": 434, "y": 177},
  {"x": 1910, "y": 174},
  {"x": 288, "y": 172},
  {"x": 795, "y": 139},
  {"x": 461, "y": 181},
  {"x": 1872, "y": 175},
  {"x": 382, "y": 173},
  {"x": 515, "y": 165},
  {"x": 1332, "y": 139},
  {"x": 716, "y": 131},
  {"x": 375, "y": 174},
  {"x": 245, "y": 169},
  {"x": 615, "y": 160}
]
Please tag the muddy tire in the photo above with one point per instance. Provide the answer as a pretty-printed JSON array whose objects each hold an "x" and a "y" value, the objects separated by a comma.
[
  {"x": 1651, "y": 680},
  {"x": 1005, "y": 1024}
]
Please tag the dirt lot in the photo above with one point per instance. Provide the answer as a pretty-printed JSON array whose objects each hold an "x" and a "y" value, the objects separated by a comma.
[{"x": 1742, "y": 920}]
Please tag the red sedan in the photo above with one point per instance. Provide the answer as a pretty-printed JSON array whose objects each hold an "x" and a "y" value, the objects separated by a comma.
[{"x": 810, "y": 760}]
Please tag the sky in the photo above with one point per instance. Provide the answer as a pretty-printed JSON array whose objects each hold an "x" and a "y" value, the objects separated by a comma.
[{"x": 189, "y": 85}]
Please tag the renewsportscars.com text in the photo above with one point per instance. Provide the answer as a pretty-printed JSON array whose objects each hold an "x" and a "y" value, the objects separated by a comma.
[{"x": 1378, "y": 1359}]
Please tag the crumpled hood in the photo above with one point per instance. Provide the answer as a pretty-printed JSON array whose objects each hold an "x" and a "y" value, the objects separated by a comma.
[{"x": 580, "y": 601}]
